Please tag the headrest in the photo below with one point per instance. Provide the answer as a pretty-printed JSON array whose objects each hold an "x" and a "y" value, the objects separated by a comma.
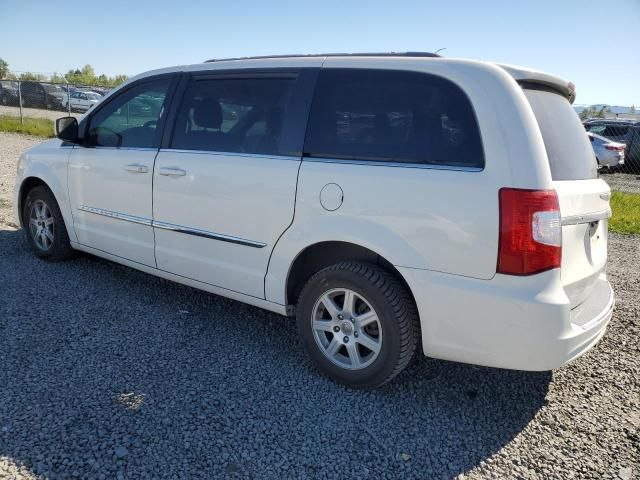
[{"x": 207, "y": 113}]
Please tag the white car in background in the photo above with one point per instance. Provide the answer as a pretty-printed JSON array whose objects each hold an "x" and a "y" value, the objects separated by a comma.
[
  {"x": 608, "y": 153},
  {"x": 82, "y": 100}
]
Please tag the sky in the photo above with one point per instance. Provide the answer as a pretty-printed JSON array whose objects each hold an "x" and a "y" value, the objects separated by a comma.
[{"x": 592, "y": 43}]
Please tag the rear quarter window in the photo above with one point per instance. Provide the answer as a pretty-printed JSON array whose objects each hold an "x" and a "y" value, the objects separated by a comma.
[
  {"x": 392, "y": 116},
  {"x": 568, "y": 147}
]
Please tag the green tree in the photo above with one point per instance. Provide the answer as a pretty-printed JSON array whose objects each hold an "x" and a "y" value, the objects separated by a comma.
[
  {"x": 57, "y": 78},
  {"x": 87, "y": 76},
  {"x": 30, "y": 76},
  {"x": 587, "y": 112},
  {"x": 4, "y": 68},
  {"x": 117, "y": 80}
]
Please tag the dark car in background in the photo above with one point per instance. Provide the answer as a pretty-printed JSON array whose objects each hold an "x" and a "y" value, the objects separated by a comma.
[
  {"x": 42, "y": 95},
  {"x": 623, "y": 131},
  {"x": 8, "y": 93}
]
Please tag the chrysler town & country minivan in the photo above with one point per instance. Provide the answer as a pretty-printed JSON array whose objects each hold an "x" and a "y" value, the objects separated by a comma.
[{"x": 386, "y": 201}]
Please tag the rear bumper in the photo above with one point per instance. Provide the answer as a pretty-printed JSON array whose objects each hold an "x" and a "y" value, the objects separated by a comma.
[
  {"x": 611, "y": 161},
  {"x": 523, "y": 323}
]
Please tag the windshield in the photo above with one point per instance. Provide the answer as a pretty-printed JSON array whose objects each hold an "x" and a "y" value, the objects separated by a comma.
[
  {"x": 568, "y": 147},
  {"x": 93, "y": 96}
]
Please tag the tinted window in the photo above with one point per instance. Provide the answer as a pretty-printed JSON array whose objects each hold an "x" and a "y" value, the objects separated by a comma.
[
  {"x": 131, "y": 118},
  {"x": 233, "y": 115},
  {"x": 569, "y": 150},
  {"x": 392, "y": 116},
  {"x": 608, "y": 130}
]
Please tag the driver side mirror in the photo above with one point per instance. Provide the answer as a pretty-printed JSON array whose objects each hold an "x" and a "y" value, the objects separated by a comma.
[{"x": 67, "y": 129}]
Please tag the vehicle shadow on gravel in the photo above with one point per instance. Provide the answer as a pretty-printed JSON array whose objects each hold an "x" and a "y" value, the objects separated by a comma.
[{"x": 108, "y": 371}]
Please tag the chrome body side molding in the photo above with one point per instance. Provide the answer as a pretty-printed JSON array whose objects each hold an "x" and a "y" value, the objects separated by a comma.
[{"x": 172, "y": 227}]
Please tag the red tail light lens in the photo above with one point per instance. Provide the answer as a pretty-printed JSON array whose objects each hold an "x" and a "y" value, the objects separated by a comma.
[
  {"x": 617, "y": 148},
  {"x": 530, "y": 231}
]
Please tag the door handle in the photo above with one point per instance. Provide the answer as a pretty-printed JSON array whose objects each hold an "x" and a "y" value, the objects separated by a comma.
[
  {"x": 136, "y": 168},
  {"x": 171, "y": 172}
]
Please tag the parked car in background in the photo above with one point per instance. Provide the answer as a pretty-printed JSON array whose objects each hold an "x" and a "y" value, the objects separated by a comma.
[
  {"x": 323, "y": 193},
  {"x": 36, "y": 95},
  {"x": 82, "y": 101},
  {"x": 608, "y": 153},
  {"x": 623, "y": 131},
  {"x": 8, "y": 92},
  {"x": 100, "y": 91},
  {"x": 57, "y": 96}
]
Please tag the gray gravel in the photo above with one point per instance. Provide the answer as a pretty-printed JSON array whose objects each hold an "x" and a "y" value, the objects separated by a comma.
[
  {"x": 36, "y": 112},
  {"x": 106, "y": 372},
  {"x": 623, "y": 182}
]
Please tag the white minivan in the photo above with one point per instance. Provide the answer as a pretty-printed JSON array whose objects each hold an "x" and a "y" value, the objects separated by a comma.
[{"x": 387, "y": 201}]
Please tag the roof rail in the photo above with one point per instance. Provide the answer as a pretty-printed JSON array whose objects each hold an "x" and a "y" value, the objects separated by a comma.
[{"x": 312, "y": 55}]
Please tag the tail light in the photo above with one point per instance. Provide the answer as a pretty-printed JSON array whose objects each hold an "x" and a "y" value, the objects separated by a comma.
[
  {"x": 530, "y": 231},
  {"x": 617, "y": 148}
]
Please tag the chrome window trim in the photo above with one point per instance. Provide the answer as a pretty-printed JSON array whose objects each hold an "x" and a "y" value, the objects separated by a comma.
[
  {"x": 232, "y": 154},
  {"x": 117, "y": 215},
  {"x": 143, "y": 149},
  {"x": 586, "y": 218},
  {"x": 375, "y": 163},
  {"x": 172, "y": 227}
]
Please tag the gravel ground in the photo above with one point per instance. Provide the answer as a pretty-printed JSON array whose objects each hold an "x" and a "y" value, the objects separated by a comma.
[
  {"x": 36, "y": 112},
  {"x": 623, "y": 182},
  {"x": 110, "y": 373}
]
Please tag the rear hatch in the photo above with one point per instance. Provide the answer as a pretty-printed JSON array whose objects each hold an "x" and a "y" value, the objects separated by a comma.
[{"x": 583, "y": 197}]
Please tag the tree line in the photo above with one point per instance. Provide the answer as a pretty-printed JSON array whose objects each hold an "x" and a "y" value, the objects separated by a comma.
[{"x": 82, "y": 76}]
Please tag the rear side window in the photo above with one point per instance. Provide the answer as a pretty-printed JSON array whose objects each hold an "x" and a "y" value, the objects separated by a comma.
[
  {"x": 608, "y": 130},
  {"x": 392, "y": 116},
  {"x": 243, "y": 115},
  {"x": 568, "y": 147}
]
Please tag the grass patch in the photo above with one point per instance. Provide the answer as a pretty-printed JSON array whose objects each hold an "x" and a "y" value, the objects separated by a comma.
[
  {"x": 626, "y": 213},
  {"x": 40, "y": 127}
]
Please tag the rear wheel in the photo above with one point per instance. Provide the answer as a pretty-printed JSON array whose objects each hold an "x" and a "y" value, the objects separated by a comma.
[
  {"x": 358, "y": 324},
  {"x": 44, "y": 226}
]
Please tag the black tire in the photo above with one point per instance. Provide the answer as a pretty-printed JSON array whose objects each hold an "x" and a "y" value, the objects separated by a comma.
[
  {"x": 395, "y": 311},
  {"x": 59, "y": 248}
]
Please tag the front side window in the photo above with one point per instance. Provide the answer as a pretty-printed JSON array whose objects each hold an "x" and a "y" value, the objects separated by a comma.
[
  {"x": 131, "y": 118},
  {"x": 392, "y": 116},
  {"x": 238, "y": 115}
]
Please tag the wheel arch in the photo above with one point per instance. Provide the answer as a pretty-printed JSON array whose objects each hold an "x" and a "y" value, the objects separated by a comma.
[
  {"x": 26, "y": 186},
  {"x": 41, "y": 175},
  {"x": 317, "y": 256}
]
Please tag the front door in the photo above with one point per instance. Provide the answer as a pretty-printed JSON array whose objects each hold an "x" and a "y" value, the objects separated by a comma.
[
  {"x": 110, "y": 176},
  {"x": 224, "y": 190}
]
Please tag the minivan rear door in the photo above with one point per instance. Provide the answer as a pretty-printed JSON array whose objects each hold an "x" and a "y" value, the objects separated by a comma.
[{"x": 583, "y": 197}]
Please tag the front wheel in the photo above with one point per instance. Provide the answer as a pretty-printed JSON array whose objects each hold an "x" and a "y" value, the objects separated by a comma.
[
  {"x": 357, "y": 323},
  {"x": 44, "y": 226}
]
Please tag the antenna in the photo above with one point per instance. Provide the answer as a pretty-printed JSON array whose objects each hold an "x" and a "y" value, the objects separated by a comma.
[{"x": 439, "y": 50}]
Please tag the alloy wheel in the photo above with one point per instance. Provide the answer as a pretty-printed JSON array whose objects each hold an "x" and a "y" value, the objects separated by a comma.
[
  {"x": 347, "y": 329},
  {"x": 41, "y": 225}
]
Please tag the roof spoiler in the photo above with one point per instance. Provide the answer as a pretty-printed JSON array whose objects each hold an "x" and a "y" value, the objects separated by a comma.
[{"x": 526, "y": 76}]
